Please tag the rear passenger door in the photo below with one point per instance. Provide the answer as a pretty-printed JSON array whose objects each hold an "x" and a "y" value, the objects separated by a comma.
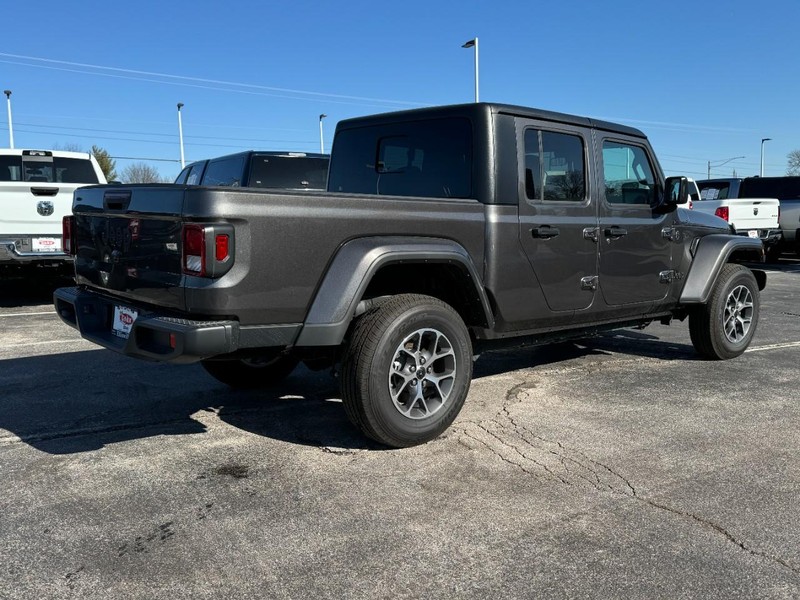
[
  {"x": 557, "y": 217},
  {"x": 635, "y": 249}
]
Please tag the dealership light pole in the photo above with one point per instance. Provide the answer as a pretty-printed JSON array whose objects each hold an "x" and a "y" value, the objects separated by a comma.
[
  {"x": 719, "y": 163},
  {"x": 470, "y": 44},
  {"x": 761, "y": 172},
  {"x": 180, "y": 132},
  {"x": 321, "y": 142},
  {"x": 10, "y": 126}
]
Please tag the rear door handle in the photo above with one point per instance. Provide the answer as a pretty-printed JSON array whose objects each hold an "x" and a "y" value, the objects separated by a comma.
[
  {"x": 615, "y": 232},
  {"x": 544, "y": 232}
]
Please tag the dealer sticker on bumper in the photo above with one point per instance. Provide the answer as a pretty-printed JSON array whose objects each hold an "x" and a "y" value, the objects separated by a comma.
[
  {"x": 753, "y": 233},
  {"x": 123, "y": 321}
]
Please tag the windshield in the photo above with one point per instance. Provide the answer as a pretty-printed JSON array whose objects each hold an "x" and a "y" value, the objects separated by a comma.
[{"x": 718, "y": 190}]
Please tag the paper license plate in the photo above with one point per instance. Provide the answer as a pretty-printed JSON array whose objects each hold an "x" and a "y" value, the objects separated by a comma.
[
  {"x": 123, "y": 321},
  {"x": 46, "y": 244},
  {"x": 753, "y": 233}
]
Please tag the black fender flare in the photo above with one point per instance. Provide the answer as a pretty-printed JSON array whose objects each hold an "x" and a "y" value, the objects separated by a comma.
[
  {"x": 713, "y": 251},
  {"x": 352, "y": 269}
]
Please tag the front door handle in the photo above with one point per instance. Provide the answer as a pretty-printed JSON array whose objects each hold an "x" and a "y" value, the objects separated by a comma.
[
  {"x": 615, "y": 232},
  {"x": 544, "y": 232}
]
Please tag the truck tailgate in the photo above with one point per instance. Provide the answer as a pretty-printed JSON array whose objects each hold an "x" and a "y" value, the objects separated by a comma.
[
  {"x": 128, "y": 240},
  {"x": 745, "y": 213}
]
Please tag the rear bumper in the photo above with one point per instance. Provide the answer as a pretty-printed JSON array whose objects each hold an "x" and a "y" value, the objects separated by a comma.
[
  {"x": 12, "y": 252},
  {"x": 160, "y": 337},
  {"x": 152, "y": 337}
]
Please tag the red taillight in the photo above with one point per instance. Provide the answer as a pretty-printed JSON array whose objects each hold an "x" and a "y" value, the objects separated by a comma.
[
  {"x": 222, "y": 247},
  {"x": 67, "y": 235},
  {"x": 722, "y": 212},
  {"x": 194, "y": 250}
]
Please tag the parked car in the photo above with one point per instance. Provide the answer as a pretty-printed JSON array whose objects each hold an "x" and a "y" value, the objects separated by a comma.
[
  {"x": 260, "y": 169},
  {"x": 444, "y": 232},
  {"x": 753, "y": 217},
  {"x": 784, "y": 189},
  {"x": 36, "y": 189}
]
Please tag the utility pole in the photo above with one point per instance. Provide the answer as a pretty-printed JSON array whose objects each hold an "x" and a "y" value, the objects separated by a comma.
[
  {"x": 473, "y": 43},
  {"x": 321, "y": 142},
  {"x": 10, "y": 124},
  {"x": 180, "y": 132}
]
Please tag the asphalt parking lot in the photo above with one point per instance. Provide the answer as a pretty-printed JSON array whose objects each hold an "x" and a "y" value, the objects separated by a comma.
[{"x": 621, "y": 466}]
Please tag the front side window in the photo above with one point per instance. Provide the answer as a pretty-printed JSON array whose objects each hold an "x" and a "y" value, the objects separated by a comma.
[
  {"x": 628, "y": 175},
  {"x": 224, "y": 172},
  {"x": 555, "y": 170},
  {"x": 431, "y": 158}
]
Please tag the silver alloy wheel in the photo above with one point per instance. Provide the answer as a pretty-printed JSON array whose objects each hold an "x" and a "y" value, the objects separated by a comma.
[
  {"x": 422, "y": 374},
  {"x": 738, "y": 314}
]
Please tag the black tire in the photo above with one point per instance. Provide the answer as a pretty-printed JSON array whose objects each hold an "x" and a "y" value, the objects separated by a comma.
[
  {"x": 724, "y": 327},
  {"x": 249, "y": 374},
  {"x": 390, "y": 390},
  {"x": 774, "y": 253}
]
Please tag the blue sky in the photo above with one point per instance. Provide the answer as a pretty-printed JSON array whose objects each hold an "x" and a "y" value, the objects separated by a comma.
[{"x": 704, "y": 80}]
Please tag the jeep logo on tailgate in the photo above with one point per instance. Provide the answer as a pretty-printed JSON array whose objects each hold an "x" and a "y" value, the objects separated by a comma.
[{"x": 45, "y": 208}]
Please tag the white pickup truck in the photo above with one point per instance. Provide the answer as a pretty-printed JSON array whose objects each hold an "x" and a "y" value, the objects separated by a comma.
[
  {"x": 36, "y": 189},
  {"x": 753, "y": 217}
]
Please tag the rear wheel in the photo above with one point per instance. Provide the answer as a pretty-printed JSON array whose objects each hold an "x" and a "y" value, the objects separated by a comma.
[
  {"x": 251, "y": 373},
  {"x": 724, "y": 327},
  {"x": 406, "y": 370}
]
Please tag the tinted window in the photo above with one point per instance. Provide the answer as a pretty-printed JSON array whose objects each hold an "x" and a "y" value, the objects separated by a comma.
[
  {"x": 554, "y": 167},
  {"x": 782, "y": 188},
  {"x": 714, "y": 191},
  {"x": 195, "y": 173},
  {"x": 74, "y": 170},
  {"x": 224, "y": 172},
  {"x": 628, "y": 175},
  {"x": 288, "y": 172},
  {"x": 181, "y": 178},
  {"x": 37, "y": 169},
  {"x": 416, "y": 158},
  {"x": 10, "y": 168}
]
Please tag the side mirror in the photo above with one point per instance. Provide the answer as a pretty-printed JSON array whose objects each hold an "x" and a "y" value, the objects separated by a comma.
[{"x": 676, "y": 191}]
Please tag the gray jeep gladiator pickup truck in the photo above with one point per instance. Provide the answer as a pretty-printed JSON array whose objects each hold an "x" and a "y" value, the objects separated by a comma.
[{"x": 444, "y": 231}]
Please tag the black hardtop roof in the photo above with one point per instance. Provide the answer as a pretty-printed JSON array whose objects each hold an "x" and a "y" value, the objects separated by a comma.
[
  {"x": 284, "y": 153},
  {"x": 484, "y": 109}
]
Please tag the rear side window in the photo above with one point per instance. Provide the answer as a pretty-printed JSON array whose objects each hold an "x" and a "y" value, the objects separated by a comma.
[
  {"x": 181, "y": 178},
  {"x": 431, "y": 158},
  {"x": 224, "y": 172},
  {"x": 288, "y": 172},
  {"x": 554, "y": 167},
  {"x": 10, "y": 168},
  {"x": 628, "y": 175}
]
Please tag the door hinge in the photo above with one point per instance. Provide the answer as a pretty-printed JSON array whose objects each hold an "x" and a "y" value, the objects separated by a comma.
[
  {"x": 669, "y": 276},
  {"x": 589, "y": 283},
  {"x": 591, "y": 233},
  {"x": 673, "y": 234}
]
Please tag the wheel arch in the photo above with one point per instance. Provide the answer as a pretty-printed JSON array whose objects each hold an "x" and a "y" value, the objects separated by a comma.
[
  {"x": 712, "y": 253},
  {"x": 372, "y": 267}
]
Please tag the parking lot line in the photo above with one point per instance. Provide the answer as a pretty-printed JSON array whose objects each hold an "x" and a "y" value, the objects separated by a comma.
[
  {"x": 29, "y": 314},
  {"x": 773, "y": 347}
]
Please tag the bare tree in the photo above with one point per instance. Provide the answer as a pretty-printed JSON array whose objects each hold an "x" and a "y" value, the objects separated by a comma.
[
  {"x": 69, "y": 147},
  {"x": 793, "y": 163},
  {"x": 140, "y": 172}
]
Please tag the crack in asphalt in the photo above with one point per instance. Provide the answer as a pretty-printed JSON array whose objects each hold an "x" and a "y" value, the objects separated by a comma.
[{"x": 576, "y": 466}]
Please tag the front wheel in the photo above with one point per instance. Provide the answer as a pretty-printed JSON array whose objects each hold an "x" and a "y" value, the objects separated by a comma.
[
  {"x": 406, "y": 370},
  {"x": 724, "y": 327},
  {"x": 251, "y": 373}
]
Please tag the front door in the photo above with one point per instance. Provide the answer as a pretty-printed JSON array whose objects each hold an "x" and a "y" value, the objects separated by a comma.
[
  {"x": 635, "y": 252},
  {"x": 557, "y": 217}
]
